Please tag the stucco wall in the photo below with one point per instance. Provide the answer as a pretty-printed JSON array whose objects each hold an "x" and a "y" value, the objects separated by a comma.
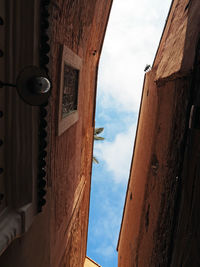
[
  {"x": 83, "y": 27},
  {"x": 151, "y": 209},
  {"x": 90, "y": 263}
]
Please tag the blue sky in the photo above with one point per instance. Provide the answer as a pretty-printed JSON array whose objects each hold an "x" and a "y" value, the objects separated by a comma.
[{"x": 131, "y": 41}]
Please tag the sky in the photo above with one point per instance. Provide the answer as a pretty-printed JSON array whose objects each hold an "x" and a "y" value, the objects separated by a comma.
[{"x": 132, "y": 38}]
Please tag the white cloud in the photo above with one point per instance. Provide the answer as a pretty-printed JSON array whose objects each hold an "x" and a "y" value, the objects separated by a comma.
[
  {"x": 131, "y": 41},
  {"x": 105, "y": 250},
  {"x": 106, "y": 228},
  {"x": 117, "y": 154}
]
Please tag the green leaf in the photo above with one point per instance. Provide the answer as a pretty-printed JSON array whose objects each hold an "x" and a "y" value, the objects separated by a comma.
[
  {"x": 98, "y": 131},
  {"x": 95, "y": 160},
  {"x": 98, "y": 137}
]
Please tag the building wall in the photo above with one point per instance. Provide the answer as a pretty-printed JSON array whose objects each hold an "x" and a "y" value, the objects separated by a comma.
[
  {"x": 90, "y": 263},
  {"x": 83, "y": 26},
  {"x": 58, "y": 235},
  {"x": 156, "y": 181}
]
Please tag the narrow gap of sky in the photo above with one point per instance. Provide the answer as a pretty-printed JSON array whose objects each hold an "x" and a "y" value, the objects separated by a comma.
[{"x": 131, "y": 41}]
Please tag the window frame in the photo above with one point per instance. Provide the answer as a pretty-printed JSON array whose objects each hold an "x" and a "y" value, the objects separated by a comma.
[{"x": 73, "y": 60}]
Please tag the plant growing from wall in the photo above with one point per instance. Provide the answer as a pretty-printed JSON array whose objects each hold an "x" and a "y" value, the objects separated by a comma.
[{"x": 97, "y": 131}]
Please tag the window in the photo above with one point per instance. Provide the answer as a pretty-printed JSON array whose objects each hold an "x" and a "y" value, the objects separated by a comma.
[{"x": 70, "y": 90}]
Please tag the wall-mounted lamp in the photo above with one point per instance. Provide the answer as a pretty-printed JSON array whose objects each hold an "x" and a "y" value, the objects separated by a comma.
[{"x": 33, "y": 85}]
